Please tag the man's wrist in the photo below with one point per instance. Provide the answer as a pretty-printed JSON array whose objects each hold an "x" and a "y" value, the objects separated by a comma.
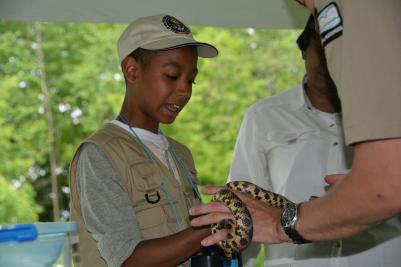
[
  {"x": 283, "y": 237},
  {"x": 289, "y": 219}
]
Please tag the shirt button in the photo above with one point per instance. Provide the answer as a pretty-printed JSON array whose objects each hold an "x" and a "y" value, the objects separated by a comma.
[
  {"x": 332, "y": 125},
  {"x": 335, "y": 144}
]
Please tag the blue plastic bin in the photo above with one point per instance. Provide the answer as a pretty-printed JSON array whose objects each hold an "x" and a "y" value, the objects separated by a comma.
[{"x": 37, "y": 245}]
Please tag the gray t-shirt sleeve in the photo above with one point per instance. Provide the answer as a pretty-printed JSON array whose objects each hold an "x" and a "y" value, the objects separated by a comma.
[{"x": 106, "y": 207}]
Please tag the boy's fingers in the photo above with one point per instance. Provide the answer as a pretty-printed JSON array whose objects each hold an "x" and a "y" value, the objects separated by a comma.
[
  {"x": 210, "y": 190},
  {"x": 215, "y": 238},
  {"x": 245, "y": 197},
  {"x": 213, "y": 206},
  {"x": 211, "y": 218}
]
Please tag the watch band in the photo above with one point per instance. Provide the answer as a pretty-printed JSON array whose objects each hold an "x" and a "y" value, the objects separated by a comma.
[
  {"x": 289, "y": 224},
  {"x": 295, "y": 236}
]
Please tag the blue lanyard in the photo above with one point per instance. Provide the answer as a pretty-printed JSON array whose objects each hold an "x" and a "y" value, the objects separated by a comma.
[
  {"x": 178, "y": 159},
  {"x": 165, "y": 189},
  {"x": 184, "y": 168}
]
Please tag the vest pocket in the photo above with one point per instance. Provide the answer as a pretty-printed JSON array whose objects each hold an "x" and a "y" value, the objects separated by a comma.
[
  {"x": 150, "y": 215},
  {"x": 155, "y": 219},
  {"x": 151, "y": 204},
  {"x": 146, "y": 175}
]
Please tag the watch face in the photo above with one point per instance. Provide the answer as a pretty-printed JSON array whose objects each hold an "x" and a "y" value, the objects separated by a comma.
[{"x": 288, "y": 215}]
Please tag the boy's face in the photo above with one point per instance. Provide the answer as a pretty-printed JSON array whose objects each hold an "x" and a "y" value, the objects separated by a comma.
[{"x": 163, "y": 87}]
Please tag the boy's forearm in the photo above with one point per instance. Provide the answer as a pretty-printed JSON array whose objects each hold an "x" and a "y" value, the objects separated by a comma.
[
  {"x": 369, "y": 194},
  {"x": 167, "y": 251}
]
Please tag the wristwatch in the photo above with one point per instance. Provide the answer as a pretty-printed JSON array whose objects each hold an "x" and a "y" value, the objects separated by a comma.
[{"x": 289, "y": 219}]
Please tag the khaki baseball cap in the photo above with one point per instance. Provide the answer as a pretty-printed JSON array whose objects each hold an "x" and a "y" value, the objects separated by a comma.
[{"x": 160, "y": 32}]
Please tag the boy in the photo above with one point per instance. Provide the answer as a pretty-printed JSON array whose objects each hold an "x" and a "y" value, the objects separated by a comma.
[{"x": 131, "y": 187}]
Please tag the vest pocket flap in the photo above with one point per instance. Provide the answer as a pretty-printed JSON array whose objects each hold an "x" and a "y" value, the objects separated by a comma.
[{"x": 147, "y": 176}]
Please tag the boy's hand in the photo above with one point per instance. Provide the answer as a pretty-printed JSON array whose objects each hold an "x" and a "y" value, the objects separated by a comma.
[{"x": 207, "y": 214}]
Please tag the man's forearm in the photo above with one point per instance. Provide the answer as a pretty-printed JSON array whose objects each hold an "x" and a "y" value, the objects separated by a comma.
[{"x": 370, "y": 193}]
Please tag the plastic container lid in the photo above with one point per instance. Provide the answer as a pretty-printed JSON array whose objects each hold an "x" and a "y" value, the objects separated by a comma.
[
  {"x": 29, "y": 232},
  {"x": 18, "y": 233},
  {"x": 56, "y": 228},
  {"x": 34, "y": 245}
]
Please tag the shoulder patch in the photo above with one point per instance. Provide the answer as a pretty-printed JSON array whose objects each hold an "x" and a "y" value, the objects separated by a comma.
[{"x": 330, "y": 23}]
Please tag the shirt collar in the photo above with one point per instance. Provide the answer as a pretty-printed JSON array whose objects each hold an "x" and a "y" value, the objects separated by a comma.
[
  {"x": 304, "y": 102},
  {"x": 300, "y": 100},
  {"x": 149, "y": 138}
]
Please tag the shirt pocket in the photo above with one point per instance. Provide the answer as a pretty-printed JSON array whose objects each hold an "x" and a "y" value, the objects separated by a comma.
[
  {"x": 289, "y": 152},
  {"x": 290, "y": 138}
]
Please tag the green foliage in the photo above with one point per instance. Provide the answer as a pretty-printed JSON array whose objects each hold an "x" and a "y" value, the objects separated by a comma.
[
  {"x": 251, "y": 66},
  {"x": 16, "y": 204},
  {"x": 86, "y": 89}
]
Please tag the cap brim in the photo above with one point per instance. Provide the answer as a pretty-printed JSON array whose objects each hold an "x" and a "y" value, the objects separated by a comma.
[{"x": 204, "y": 49}]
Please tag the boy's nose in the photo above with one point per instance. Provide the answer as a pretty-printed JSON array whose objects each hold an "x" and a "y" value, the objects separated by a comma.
[{"x": 184, "y": 89}]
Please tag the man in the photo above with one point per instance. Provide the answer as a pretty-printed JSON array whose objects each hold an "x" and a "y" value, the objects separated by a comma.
[
  {"x": 362, "y": 43},
  {"x": 286, "y": 144}
]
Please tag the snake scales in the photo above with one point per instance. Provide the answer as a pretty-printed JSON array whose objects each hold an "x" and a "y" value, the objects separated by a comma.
[{"x": 240, "y": 230}]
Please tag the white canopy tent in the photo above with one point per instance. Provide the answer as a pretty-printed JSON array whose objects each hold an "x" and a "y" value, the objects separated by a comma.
[{"x": 285, "y": 14}]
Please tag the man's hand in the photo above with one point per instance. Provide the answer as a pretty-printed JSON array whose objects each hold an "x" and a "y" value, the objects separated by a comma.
[
  {"x": 334, "y": 178},
  {"x": 266, "y": 219}
]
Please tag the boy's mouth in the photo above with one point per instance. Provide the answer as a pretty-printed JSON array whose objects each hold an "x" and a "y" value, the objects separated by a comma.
[{"x": 174, "y": 107}]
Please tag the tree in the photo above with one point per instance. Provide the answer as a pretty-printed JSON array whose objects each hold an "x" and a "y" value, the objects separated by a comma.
[{"x": 85, "y": 88}]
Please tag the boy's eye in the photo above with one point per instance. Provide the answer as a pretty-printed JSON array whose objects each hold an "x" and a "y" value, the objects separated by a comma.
[
  {"x": 171, "y": 77},
  {"x": 175, "y": 77}
]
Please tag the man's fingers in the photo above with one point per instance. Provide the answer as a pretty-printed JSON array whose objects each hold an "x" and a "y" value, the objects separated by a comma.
[
  {"x": 215, "y": 238},
  {"x": 333, "y": 179}
]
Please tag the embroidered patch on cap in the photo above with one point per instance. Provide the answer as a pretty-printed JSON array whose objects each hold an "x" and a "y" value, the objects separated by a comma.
[
  {"x": 330, "y": 23},
  {"x": 175, "y": 25}
]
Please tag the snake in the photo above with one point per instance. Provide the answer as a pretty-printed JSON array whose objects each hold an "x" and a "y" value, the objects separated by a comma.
[{"x": 240, "y": 230}]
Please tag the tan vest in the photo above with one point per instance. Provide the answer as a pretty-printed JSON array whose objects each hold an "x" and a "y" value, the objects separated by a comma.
[{"x": 145, "y": 182}]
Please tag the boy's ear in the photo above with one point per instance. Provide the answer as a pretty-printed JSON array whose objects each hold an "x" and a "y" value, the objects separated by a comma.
[{"x": 130, "y": 69}]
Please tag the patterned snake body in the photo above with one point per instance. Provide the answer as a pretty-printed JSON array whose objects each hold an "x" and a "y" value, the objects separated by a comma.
[{"x": 240, "y": 230}]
